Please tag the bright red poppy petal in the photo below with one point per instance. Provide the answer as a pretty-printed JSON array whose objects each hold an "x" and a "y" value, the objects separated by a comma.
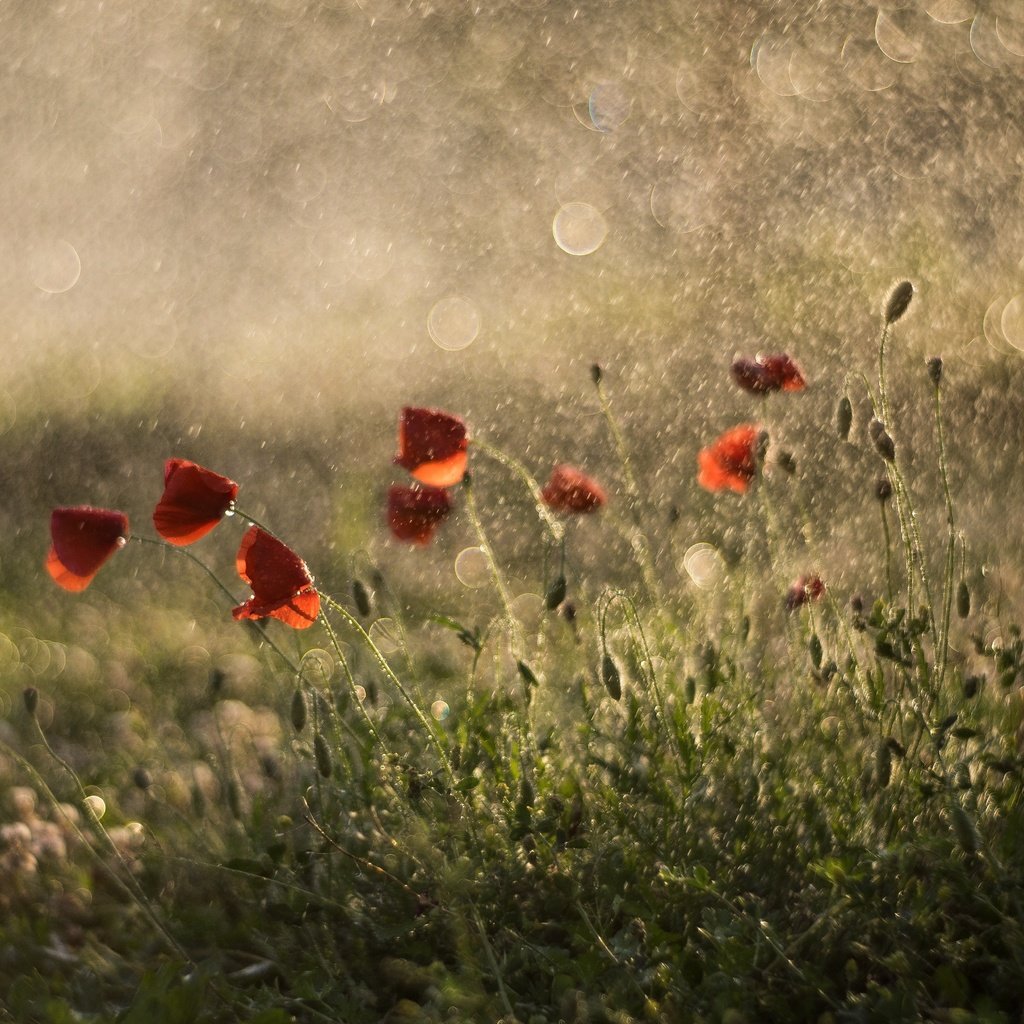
[
  {"x": 300, "y": 612},
  {"x": 63, "y": 576},
  {"x": 83, "y": 539},
  {"x": 442, "y": 472},
  {"x": 282, "y": 587},
  {"x": 714, "y": 476},
  {"x": 750, "y": 376},
  {"x": 784, "y": 373},
  {"x": 193, "y": 503}
]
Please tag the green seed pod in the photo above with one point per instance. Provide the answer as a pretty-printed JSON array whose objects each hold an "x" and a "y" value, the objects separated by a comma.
[
  {"x": 361, "y": 597},
  {"x": 610, "y": 677},
  {"x": 814, "y": 646},
  {"x": 31, "y": 699},
  {"x": 298, "y": 710},
  {"x": 963, "y": 600},
  {"x": 966, "y": 832},
  {"x": 527, "y": 674},
  {"x": 883, "y": 489},
  {"x": 883, "y": 763},
  {"x": 595, "y": 373},
  {"x": 322, "y": 756},
  {"x": 844, "y": 418},
  {"x": 787, "y": 462},
  {"x": 897, "y": 301},
  {"x": 555, "y": 595},
  {"x": 691, "y": 689},
  {"x": 935, "y": 370},
  {"x": 142, "y": 778}
]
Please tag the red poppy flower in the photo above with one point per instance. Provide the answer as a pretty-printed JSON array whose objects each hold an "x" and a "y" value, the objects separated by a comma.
[
  {"x": 414, "y": 513},
  {"x": 806, "y": 588},
  {"x": 281, "y": 585},
  {"x": 83, "y": 539},
  {"x": 768, "y": 373},
  {"x": 571, "y": 491},
  {"x": 432, "y": 446},
  {"x": 731, "y": 462},
  {"x": 193, "y": 503}
]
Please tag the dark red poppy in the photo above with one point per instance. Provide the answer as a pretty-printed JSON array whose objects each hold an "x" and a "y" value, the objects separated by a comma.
[
  {"x": 768, "y": 373},
  {"x": 570, "y": 490},
  {"x": 282, "y": 587},
  {"x": 804, "y": 589},
  {"x": 432, "y": 445},
  {"x": 414, "y": 513},
  {"x": 83, "y": 539},
  {"x": 731, "y": 462},
  {"x": 193, "y": 503}
]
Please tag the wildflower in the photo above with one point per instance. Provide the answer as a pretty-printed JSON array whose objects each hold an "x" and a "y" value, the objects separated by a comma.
[
  {"x": 768, "y": 373},
  {"x": 83, "y": 539},
  {"x": 569, "y": 490},
  {"x": 432, "y": 446},
  {"x": 414, "y": 513},
  {"x": 282, "y": 587},
  {"x": 193, "y": 503},
  {"x": 731, "y": 461},
  {"x": 804, "y": 589}
]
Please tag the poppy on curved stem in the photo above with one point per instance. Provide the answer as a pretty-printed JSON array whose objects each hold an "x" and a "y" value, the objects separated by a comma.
[
  {"x": 804, "y": 589},
  {"x": 415, "y": 513},
  {"x": 730, "y": 462},
  {"x": 83, "y": 539},
  {"x": 767, "y": 373},
  {"x": 282, "y": 587},
  {"x": 194, "y": 501},
  {"x": 570, "y": 491},
  {"x": 432, "y": 446}
]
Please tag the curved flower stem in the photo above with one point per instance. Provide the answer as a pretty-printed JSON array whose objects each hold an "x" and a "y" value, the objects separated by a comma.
[
  {"x": 883, "y": 398},
  {"x": 515, "y": 639},
  {"x": 950, "y": 564},
  {"x": 388, "y": 671},
  {"x": 551, "y": 524},
  {"x": 350, "y": 679},
  {"x": 888, "y": 553},
  {"x": 252, "y": 521},
  {"x": 640, "y": 543},
  {"x": 223, "y": 589}
]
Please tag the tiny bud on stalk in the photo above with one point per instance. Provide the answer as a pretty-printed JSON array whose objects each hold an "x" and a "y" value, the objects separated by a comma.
[
  {"x": 935, "y": 370},
  {"x": 31, "y": 698},
  {"x": 963, "y": 600},
  {"x": 611, "y": 678},
  {"x": 882, "y": 441},
  {"x": 883, "y": 489},
  {"x": 361, "y": 596},
  {"x": 844, "y": 418},
  {"x": 897, "y": 302},
  {"x": 556, "y": 594},
  {"x": 595, "y": 373}
]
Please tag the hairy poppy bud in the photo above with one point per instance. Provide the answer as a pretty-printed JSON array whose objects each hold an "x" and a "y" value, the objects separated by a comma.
[
  {"x": 882, "y": 441},
  {"x": 595, "y": 373},
  {"x": 322, "y": 756},
  {"x": 298, "y": 710},
  {"x": 556, "y": 594},
  {"x": 963, "y": 600},
  {"x": 142, "y": 778},
  {"x": 897, "y": 301},
  {"x": 361, "y": 596},
  {"x": 883, "y": 489},
  {"x": 844, "y": 418},
  {"x": 935, "y": 369},
  {"x": 787, "y": 462},
  {"x": 610, "y": 677},
  {"x": 31, "y": 698}
]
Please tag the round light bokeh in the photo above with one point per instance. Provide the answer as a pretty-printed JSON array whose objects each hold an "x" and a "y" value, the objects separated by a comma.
[
  {"x": 55, "y": 267},
  {"x": 453, "y": 323},
  {"x": 471, "y": 568},
  {"x": 579, "y": 229},
  {"x": 703, "y": 564}
]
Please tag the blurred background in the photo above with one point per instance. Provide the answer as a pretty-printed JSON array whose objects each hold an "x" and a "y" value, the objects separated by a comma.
[{"x": 249, "y": 233}]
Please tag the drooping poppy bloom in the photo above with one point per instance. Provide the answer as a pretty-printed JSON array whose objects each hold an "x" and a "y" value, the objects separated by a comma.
[
  {"x": 83, "y": 539},
  {"x": 804, "y": 589},
  {"x": 414, "y": 513},
  {"x": 570, "y": 490},
  {"x": 764, "y": 374},
  {"x": 731, "y": 461},
  {"x": 432, "y": 446},
  {"x": 282, "y": 587},
  {"x": 193, "y": 503}
]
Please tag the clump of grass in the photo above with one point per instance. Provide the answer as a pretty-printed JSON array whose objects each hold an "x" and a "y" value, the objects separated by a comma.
[{"x": 634, "y": 804}]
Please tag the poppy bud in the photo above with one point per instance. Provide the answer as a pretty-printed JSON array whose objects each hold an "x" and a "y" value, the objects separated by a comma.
[
  {"x": 897, "y": 301},
  {"x": 322, "y": 756},
  {"x": 142, "y": 778},
  {"x": 935, "y": 369},
  {"x": 882, "y": 441},
  {"x": 883, "y": 489},
  {"x": 966, "y": 832},
  {"x": 814, "y": 646},
  {"x": 963, "y": 600},
  {"x": 883, "y": 763},
  {"x": 361, "y": 596},
  {"x": 555, "y": 595},
  {"x": 298, "y": 711},
  {"x": 31, "y": 698},
  {"x": 595, "y": 373},
  {"x": 844, "y": 418},
  {"x": 787, "y": 461},
  {"x": 610, "y": 677}
]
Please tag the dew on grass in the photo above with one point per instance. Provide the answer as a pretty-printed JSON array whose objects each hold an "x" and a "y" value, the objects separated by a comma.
[{"x": 471, "y": 568}]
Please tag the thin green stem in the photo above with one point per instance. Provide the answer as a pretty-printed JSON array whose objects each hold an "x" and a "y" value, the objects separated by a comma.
[
  {"x": 551, "y": 523},
  {"x": 888, "y": 552},
  {"x": 950, "y": 565}
]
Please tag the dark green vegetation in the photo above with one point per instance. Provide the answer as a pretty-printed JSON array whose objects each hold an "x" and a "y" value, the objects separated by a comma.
[{"x": 643, "y": 800}]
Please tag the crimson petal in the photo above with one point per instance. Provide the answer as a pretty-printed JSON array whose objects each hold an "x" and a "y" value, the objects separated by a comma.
[
  {"x": 83, "y": 539},
  {"x": 432, "y": 446},
  {"x": 414, "y": 513},
  {"x": 570, "y": 490},
  {"x": 193, "y": 503},
  {"x": 282, "y": 587},
  {"x": 730, "y": 462}
]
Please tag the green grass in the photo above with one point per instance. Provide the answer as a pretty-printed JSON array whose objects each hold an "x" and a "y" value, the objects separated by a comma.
[{"x": 671, "y": 804}]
